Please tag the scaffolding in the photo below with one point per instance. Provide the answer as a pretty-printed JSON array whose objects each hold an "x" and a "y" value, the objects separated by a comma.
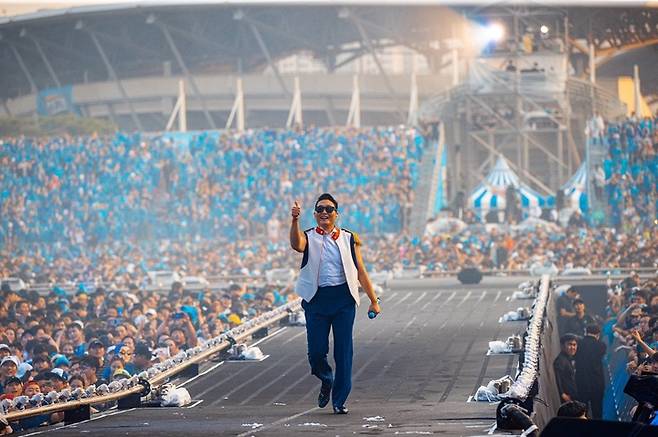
[{"x": 523, "y": 103}]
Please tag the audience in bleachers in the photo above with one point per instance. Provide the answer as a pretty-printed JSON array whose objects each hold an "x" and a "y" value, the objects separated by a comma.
[
  {"x": 631, "y": 333},
  {"x": 88, "y": 191},
  {"x": 631, "y": 172}
]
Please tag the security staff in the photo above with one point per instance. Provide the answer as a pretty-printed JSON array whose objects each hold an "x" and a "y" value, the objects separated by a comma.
[{"x": 331, "y": 271}]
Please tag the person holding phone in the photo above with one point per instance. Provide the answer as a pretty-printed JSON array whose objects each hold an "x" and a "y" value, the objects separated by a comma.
[
  {"x": 180, "y": 329},
  {"x": 331, "y": 270}
]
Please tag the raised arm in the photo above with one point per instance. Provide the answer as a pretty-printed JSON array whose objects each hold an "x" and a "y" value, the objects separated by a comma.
[
  {"x": 622, "y": 317},
  {"x": 636, "y": 335},
  {"x": 297, "y": 240}
]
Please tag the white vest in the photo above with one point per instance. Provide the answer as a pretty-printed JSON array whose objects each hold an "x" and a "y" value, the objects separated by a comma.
[{"x": 307, "y": 282}]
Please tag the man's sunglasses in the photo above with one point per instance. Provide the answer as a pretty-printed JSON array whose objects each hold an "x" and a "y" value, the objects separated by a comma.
[{"x": 328, "y": 209}]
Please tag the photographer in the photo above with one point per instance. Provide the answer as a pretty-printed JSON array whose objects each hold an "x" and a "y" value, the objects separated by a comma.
[
  {"x": 648, "y": 366},
  {"x": 180, "y": 328}
]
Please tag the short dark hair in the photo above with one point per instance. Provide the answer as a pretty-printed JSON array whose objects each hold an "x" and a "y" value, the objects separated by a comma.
[
  {"x": 572, "y": 409},
  {"x": 178, "y": 329},
  {"x": 571, "y": 290},
  {"x": 142, "y": 349},
  {"x": 43, "y": 376},
  {"x": 578, "y": 301},
  {"x": 327, "y": 196},
  {"x": 567, "y": 338},
  {"x": 593, "y": 329},
  {"x": 13, "y": 380},
  {"x": 79, "y": 378},
  {"x": 93, "y": 362},
  {"x": 39, "y": 359}
]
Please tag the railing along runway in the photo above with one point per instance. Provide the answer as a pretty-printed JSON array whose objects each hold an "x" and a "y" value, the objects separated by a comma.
[{"x": 415, "y": 366}]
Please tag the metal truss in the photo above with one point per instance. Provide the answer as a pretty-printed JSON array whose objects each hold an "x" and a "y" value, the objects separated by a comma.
[
  {"x": 24, "y": 69},
  {"x": 365, "y": 39},
  {"x": 181, "y": 63},
  {"x": 113, "y": 76},
  {"x": 46, "y": 62},
  {"x": 239, "y": 16},
  {"x": 269, "y": 32}
]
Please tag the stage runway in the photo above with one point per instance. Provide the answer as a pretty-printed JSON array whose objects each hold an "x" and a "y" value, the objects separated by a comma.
[{"x": 415, "y": 367}]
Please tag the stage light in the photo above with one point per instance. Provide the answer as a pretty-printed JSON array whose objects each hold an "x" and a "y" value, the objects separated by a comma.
[
  {"x": 493, "y": 32},
  {"x": 544, "y": 29}
]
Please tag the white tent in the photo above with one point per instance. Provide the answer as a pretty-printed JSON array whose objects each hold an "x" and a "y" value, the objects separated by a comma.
[{"x": 490, "y": 193}]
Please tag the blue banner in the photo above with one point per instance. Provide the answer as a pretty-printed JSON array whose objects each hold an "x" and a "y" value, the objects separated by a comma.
[{"x": 52, "y": 101}]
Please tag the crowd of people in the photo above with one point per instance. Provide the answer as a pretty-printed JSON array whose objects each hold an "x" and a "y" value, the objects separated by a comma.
[
  {"x": 519, "y": 250},
  {"x": 587, "y": 340},
  {"x": 627, "y": 180},
  {"x": 91, "y": 190},
  {"x": 129, "y": 263},
  {"x": 112, "y": 209},
  {"x": 62, "y": 341},
  {"x": 633, "y": 313},
  {"x": 99, "y": 214}
]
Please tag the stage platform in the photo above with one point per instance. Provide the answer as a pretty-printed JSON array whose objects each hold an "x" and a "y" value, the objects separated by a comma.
[{"x": 415, "y": 367}]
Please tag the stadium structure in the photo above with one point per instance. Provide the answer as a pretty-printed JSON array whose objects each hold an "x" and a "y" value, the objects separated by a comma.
[{"x": 520, "y": 81}]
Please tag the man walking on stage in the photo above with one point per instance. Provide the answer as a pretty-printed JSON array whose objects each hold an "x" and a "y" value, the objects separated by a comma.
[{"x": 331, "y": 271}]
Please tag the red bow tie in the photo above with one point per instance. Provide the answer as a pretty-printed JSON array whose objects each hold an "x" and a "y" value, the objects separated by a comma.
[{"x": 334, "y": 234}]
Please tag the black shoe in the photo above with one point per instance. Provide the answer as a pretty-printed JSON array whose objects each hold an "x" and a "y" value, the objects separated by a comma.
[
  {"x": 341, "y": 410},
  {"x": 323, "y": 397}
]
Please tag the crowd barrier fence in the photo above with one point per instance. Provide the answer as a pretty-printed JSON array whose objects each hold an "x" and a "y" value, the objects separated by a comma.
[
  {"x": 413, "y": 272},
  {"x": 535, "y": 385},
  {"x": 548, "y": 400}
]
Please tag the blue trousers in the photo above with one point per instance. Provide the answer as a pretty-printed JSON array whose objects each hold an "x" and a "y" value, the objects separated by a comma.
[{"x": 332, "y": 308}]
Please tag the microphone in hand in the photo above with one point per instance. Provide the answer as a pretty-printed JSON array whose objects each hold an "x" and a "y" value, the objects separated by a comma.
[{"x": 372, "y": 313}]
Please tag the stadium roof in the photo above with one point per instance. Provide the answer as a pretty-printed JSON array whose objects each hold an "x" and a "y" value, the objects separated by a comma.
[{"x": 129, "y": 39}]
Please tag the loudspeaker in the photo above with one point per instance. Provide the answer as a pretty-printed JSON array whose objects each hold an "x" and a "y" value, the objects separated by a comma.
[
  {"x": 469, "y": 275},
  {"x": 570, "y": 427}
]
